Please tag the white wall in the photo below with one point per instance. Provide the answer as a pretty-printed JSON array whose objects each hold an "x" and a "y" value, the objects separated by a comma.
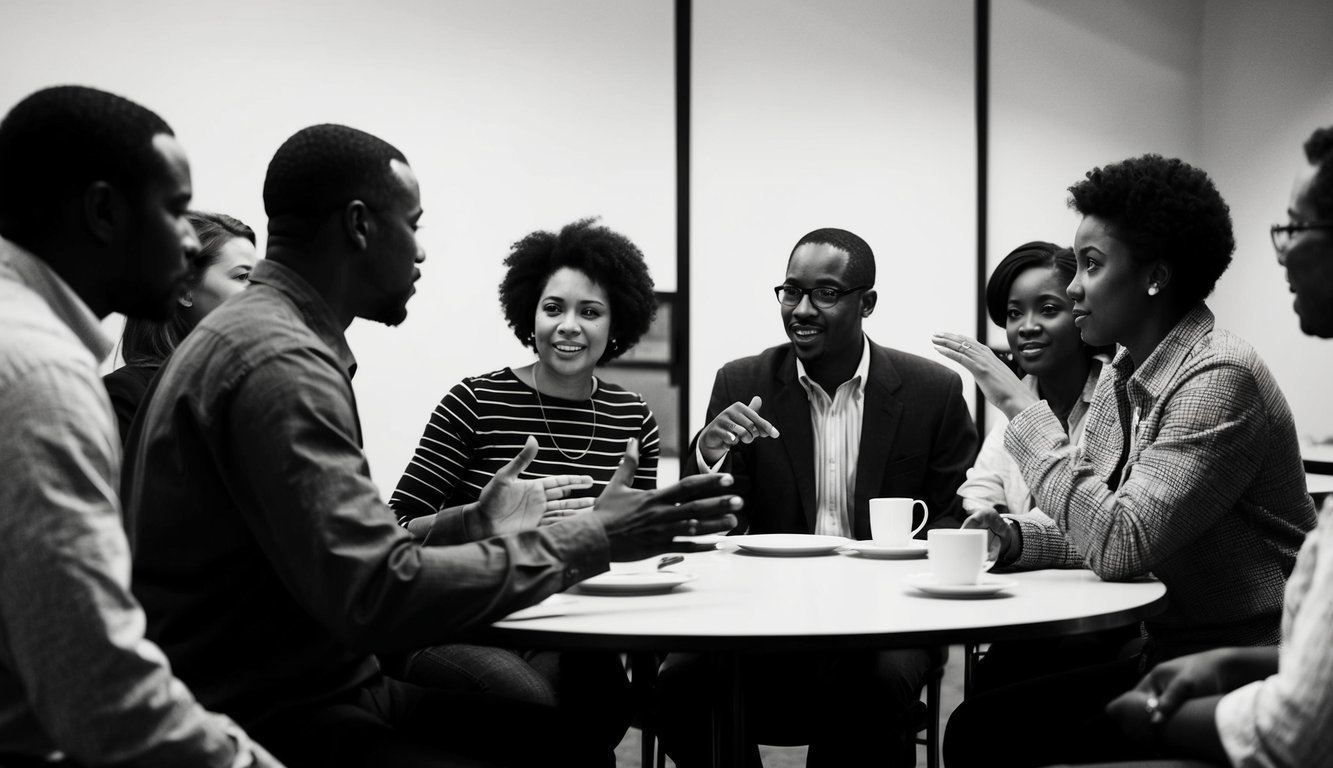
[
  {"x": 1267, "y": 84},
  {"x": 812, "y": 114},
  {"x": 515, "y": 116},
  {"x": 522, "y": 115},
  {"x": 1076, "y": 84}
]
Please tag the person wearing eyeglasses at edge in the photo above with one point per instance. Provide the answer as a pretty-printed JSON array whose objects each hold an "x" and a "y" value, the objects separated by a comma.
[
  {"x": 884, "y": 423},
  {"x": 222, "y": 269},
  {"x": 1026, "y": 297},
  {"x": 1190, "y": 467},
  {"x": 579, "y": 299}
]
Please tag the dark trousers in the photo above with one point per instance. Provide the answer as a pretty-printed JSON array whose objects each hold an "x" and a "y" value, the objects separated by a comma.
[
  {"x": 1059, "y": 718},
  {"x": 852, "y": 708},
  {"x": 392, "y": 724}
]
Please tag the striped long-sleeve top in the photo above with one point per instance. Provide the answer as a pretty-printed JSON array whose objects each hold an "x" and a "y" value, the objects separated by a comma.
[{"x": 482, "y": 423}]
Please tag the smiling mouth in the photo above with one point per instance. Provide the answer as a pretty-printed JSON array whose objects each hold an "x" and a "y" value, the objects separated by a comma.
[
  {"x": 567, "y": 348},
  {"x": 1032, "y": 348},
  {"x": 805, "y": 333}
]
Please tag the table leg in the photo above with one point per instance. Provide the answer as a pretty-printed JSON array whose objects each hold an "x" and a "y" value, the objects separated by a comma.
[{"x": 729, "y": 744}]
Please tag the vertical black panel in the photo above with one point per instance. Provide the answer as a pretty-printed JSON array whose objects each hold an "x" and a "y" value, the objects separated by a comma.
[
  {"x": 681, "y": 315},
  {"x": 982, "y": 64}
]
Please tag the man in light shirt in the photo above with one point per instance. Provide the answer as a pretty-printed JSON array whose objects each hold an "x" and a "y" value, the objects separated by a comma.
[
  {"x": 93, "y": 194},
  {"x": 812, "y": 430}
]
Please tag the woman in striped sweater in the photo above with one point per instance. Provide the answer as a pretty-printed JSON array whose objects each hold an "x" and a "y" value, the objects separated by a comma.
[{"x": 579, "y": 299}]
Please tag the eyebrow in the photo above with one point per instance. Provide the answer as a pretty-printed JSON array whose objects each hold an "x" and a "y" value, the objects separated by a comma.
[{"x": 561, "y": 299}]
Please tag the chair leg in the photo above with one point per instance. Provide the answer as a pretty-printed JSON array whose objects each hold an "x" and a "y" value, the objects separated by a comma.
[
  {"x": 643, "y": 673},
  {"x": 933, "y": 720}
]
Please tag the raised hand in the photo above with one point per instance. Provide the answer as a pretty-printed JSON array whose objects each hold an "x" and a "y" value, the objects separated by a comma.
[
  {"x": 1001, "y": 387},
  {"x": 641, "y": 524},
  {"x": 739, "y": 423},
  {"x": 508, "y": 504}
]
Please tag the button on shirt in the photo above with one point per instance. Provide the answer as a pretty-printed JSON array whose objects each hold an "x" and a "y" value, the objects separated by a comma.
[{"x": 836, "y": 423}]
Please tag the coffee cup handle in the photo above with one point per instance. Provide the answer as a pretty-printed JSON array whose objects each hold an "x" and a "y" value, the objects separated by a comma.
[{"x": 925, "y": 515}]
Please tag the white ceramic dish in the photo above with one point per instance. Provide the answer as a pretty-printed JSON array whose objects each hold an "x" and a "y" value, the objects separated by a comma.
[
  {"x": 634, "y": 583},
  {"x": 788, "y": 543},
  {"x": 986, "y": 586},
  {"x": 887, "y": 551}
]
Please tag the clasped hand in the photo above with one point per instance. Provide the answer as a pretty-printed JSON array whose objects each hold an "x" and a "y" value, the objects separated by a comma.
[{"x": 1163, "y": 691}]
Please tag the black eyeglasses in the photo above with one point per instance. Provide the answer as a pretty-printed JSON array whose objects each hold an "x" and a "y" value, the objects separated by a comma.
[
  {"x": 1283, "y": 234},
  {"x": 824, "y": 298}
]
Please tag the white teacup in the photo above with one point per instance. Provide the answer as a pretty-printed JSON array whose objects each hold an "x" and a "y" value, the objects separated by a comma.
[
  {"x": 958, "y": 556},
  {"x": 891, "y": 520}
]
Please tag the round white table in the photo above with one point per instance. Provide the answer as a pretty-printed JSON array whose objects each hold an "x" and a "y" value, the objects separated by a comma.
[{"x": 741, "y": 602}]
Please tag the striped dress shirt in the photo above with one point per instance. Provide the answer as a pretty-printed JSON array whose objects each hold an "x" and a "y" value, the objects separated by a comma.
[{"x": 836, "y": 423}]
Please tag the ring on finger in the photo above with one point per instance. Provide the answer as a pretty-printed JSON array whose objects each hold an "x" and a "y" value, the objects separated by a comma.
[
  {"x": 1151, "y": 705},
  {"x": 966, "y": 346},
  {"x": 692, "y": 526}
]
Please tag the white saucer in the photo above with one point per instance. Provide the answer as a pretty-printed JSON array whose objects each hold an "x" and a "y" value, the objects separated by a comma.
[
  {"x": 887, "y": 551},
  {"x": 986, "y": 586},
  {"x": 788, "y": 543},
  {"x": 634, "y": 583}
]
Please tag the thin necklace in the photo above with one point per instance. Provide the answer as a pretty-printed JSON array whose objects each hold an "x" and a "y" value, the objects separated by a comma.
[{"x": 537, "y": 386}]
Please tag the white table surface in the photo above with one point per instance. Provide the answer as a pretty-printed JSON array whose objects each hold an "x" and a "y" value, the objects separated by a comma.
[{"x": 741, "y": 601}]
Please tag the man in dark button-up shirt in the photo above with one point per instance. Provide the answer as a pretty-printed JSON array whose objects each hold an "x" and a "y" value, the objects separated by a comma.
[{"x": 268, "y": 565}]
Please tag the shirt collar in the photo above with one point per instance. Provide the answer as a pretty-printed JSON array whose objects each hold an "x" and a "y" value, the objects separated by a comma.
[
  {"x": 1156, "y": 373},
  {"x": 310, "y": 304},
  {"x": 860, "y": 375},
  {"x": 25, "y": 268}
]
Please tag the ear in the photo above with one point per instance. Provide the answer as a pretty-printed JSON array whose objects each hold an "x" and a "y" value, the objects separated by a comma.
[
  {"x": 356, "y": 224},
  {"x": 103, "y": 211},
  {"x": 1160, "y": 274},
  {"x": 868, "y": 300}
]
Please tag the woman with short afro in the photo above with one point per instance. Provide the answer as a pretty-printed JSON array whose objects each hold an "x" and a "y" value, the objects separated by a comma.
[
  {"x": 578, "y": 298},
  {"x": 1190, "y": 468}
]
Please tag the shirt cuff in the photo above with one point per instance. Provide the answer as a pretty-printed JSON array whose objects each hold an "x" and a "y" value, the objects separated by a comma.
[
  {"x": 699, "y": 459},
  {"x": 579, "y": 542},
  {"x": 1235, "y": 721}
]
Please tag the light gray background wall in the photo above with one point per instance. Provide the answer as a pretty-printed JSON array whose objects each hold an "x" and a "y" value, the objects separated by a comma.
[{"x": 524, "y": 114}]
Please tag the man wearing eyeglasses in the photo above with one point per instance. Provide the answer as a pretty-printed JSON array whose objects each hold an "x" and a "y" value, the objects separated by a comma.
[{"x": 812, "y": 430}]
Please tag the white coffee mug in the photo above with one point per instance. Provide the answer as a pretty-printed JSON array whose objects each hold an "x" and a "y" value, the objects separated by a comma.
[
  {"x": 958, "y": 556},
  {"x": 891, "y": 520}
]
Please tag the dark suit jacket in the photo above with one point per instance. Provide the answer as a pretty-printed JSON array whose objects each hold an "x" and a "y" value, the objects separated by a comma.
[{"x": 917, "y": 440}]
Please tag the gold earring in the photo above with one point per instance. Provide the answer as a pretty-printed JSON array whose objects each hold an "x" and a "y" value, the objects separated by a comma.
[
  {"x": 187, "y": 300},
  {"x": 1153, "y": 290}
]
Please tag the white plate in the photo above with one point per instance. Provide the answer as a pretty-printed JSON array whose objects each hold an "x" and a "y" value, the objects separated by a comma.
[
  {"x": 634, "y": 583},
  {"x": 986, "y": 586},
  {"x": 788, "y": 543},
  {"x": 888, "y": 551}
]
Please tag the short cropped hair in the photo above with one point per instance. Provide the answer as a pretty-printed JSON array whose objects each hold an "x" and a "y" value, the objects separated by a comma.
[
  {"x": 1036, "y": 254},
  {"x": 1163, "y": 209},
  {"x": 608, "y": 258},
  {"x": 321, "y": 168},
  {"x": 861, "y": 265},
  {"x": 1319, "y": 151},
  {"x": 146, "y": 342},
  {"x": 58, "y": 140}
]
